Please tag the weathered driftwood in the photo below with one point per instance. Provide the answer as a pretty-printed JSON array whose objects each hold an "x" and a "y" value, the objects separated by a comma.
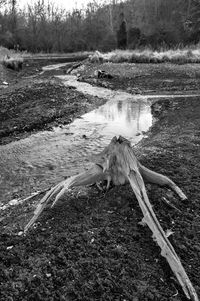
[{"x": 118, "y": 164}]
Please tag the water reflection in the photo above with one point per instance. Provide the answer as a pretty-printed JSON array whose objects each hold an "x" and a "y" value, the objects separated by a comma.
[
  {"x": 121, "y": 118},
  {"x": 46, "y": 157},
  {"x": 43, "y": 159}
]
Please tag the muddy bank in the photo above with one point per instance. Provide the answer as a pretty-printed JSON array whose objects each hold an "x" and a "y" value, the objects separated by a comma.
[
  {"x": 91, "y": 247},
  {"x": 46, "y": 102},
  {"x": 39, "y": 102},
  {"x": 144, "y": 78}
]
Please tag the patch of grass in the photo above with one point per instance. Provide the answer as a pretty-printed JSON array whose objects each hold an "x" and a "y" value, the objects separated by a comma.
[
  {"x": 178, "y": 56},
  {"x": 4, "y": 52},
  {"x": 28, "y": 55},
  {"x": 56, "y": 54}
]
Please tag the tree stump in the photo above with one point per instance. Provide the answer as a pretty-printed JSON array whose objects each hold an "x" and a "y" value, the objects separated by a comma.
[{"x": 118, "y": 164}]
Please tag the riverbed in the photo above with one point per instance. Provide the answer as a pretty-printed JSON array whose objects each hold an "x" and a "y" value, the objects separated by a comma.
[
  {"x": 48, "y": 156},
  {"x": 91, "y": 245},
  {"x": 45, "y": 158}
]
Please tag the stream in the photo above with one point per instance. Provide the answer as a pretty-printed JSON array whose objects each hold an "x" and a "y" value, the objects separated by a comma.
[{"x": 45, "y": 158}]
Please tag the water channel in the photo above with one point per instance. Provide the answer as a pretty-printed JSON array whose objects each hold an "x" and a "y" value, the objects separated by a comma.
[{"x": 45, "y": 158}]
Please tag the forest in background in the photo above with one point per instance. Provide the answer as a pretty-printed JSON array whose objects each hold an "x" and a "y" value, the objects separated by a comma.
[{"x": 44, "y": 27}]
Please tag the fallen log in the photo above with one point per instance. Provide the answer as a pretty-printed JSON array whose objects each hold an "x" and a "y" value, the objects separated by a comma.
[{"x": 117, "y": 164}]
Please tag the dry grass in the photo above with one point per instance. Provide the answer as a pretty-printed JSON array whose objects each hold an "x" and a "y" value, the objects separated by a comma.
[
  {"x": 56, "y": 54},
  {"x": 179, "y": 56},
  {"x": 4, "y": 52}
]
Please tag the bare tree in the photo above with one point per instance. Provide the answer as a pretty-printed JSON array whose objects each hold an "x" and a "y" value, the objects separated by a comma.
[
  {"x": 43, "y": 26},
  {"x": 2, "y": 2},
  {"x": 13, "y": 4}
]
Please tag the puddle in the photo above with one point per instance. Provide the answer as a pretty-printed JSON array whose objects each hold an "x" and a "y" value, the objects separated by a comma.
[{"x": 45, "y": 158}]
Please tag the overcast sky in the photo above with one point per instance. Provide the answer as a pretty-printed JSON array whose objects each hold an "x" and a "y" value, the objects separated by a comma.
[{"x": 67, "y": 4}]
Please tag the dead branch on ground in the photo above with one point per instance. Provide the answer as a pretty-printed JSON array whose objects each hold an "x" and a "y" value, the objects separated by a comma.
[{"x": 117, "y": 163}]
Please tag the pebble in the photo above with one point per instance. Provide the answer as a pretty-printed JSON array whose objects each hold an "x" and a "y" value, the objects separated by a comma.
[{"x": 9, "y": 248}]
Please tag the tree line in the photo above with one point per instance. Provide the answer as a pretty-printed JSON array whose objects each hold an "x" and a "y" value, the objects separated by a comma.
[{"x": 43, "y": 26}]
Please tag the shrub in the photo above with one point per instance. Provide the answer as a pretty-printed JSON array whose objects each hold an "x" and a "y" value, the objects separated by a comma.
[{"x": 13, "y": 63}]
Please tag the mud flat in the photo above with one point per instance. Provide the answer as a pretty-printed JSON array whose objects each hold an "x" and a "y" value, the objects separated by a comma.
[{"x": 91, "y": 247}]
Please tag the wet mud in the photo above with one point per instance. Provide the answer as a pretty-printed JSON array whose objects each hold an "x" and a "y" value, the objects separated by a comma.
[
  {"x": 32, "y": 103},
  {"x": 144, "y": 78},
  {"x": 91, "y": 247}
]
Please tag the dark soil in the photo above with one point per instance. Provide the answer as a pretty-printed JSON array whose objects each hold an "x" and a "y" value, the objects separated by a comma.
[
  {"x": 33, "y": 101},
  {"x": 90, "y": 246},
  {"x": 146, "y": 78}
]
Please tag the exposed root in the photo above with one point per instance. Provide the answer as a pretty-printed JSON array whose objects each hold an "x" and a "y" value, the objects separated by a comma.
[{"x": 117, "y": 163}]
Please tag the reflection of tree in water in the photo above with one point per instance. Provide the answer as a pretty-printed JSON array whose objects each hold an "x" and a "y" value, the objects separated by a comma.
[
  {"x": 126, "y": 110},
  {"x": 138, "y": 118},
  {"x": 132, "y": 112},
  {"x": 123, "y": 117},
  {"x": 119, "y": 106}
]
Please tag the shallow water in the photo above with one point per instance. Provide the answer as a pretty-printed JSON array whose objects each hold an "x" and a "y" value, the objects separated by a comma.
[{"x": 44, "y": 159}]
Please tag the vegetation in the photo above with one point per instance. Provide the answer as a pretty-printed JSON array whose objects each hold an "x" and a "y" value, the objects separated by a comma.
[
  {"x": 42, "y": 26},
  {"x": 147, "y": 55}
]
